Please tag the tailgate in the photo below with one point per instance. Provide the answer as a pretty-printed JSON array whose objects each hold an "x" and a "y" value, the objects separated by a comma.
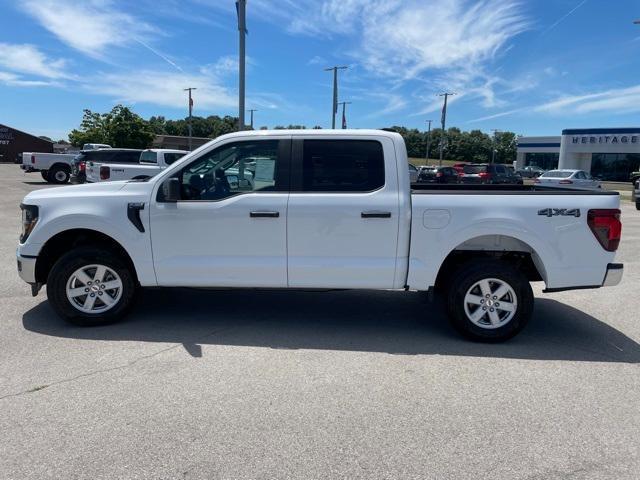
[{"x": 93, "y": 171}]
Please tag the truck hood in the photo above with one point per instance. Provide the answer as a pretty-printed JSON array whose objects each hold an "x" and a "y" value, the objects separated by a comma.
[{"x": 76, "y": 191}]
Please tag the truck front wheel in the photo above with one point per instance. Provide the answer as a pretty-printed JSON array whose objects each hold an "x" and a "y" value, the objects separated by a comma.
[
  {"x": 90, "y": 286},
  {"x": 489, "y": 300}
]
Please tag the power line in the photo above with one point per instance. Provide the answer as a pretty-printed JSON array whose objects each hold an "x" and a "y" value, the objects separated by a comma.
[{"x": 334, "y": 106}]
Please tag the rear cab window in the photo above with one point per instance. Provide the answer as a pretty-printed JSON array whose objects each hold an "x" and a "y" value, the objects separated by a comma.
[{"x": 348, "y": 166}]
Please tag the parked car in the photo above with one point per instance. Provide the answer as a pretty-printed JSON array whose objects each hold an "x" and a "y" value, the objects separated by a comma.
[
  {"x": 53, "y": 167},
  {"x": 578, "y": 179},
  {"x": 86, "y": 160},
  {"x": 634, "y": 176},
  {"x": 515, "y": 176},
  {"x": 413, "y": 173},
  {"x": 438, "y": 175},
  {"x": 531, "y": 171},
  {"x": 487, "y": 173},
  {"x": 150, "y": 162},
  {"x": 334, "y": 211},
  {"x": 459, "y": 167},
  {"x": 94, "y": 146}
]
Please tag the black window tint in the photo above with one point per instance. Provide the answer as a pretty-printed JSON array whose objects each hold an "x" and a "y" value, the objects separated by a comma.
[
  {"x": 342, "y": 166},
  {"x": 169, "y": 158}
]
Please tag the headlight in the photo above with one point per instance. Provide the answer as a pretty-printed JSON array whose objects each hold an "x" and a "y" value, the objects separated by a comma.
[{"x": 29, "y": 220}]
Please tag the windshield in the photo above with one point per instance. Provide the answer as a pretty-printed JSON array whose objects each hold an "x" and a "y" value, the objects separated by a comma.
[
  {"x": 474, "y": 169},
  {"x": 557, "y": 174}
]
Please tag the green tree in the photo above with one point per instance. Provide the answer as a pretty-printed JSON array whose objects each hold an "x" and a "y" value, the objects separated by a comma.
[{"x": 118, "y": 128}]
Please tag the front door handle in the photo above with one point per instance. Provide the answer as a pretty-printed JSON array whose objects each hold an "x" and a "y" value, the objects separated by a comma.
[
  {"x": 264, "y": 214},
  {"x": 375, "y": 214}
]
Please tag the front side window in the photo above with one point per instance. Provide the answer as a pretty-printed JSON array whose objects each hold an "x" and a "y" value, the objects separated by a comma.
[
  {"x": 232, "y": 169},
  {"x": 169, "y": 158},
  {"x": 342, "y": 166}
]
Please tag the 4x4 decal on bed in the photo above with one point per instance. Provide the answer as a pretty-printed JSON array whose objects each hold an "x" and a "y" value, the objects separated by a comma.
[{"x": 555, "y": 212}]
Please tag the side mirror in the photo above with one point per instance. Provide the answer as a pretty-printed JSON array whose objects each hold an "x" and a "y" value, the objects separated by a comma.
[{"x": 171, "y": 190}]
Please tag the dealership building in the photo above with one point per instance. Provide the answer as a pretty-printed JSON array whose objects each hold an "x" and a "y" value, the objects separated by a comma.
[{"x": 608, "y": 153}]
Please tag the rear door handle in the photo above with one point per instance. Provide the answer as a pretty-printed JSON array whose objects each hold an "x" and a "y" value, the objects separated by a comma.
[
  {"x": 264, "y": 214},
  {"x": 375, "y": 214}
]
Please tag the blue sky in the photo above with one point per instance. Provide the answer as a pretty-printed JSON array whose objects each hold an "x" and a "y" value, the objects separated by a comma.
[{"x": 533, "y": 67}]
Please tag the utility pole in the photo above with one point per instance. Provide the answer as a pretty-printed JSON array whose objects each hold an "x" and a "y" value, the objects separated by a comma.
[
  {"x": 251, "y": 110},
  {"x": 344, "y": 116},
  {"x": 190, "y": 112},
  {"x": 493, "y": 149},
  {"x": 241, "y": 8},
  {"x": 443, "y": 138},
  {"x": 426, "y": 153},
  {"x": 334, "y": 106}
]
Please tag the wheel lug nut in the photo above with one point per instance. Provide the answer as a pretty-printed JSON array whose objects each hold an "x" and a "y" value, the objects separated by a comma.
[
  {"x": 99, "y": 293},
  {"x": 497, "y": 304},
  {"x": 484, "y": 308},
  {"x": 495, "y": 298},
  {"x": 491, "y": 310},
  {"x": 93, "y": 294},
  {"x": 482, "y": 301},
  {"x": 101, "y": 286},
  {"x": 86, "y": 289},
  {"x": 88, "y": 283},
  {"x": 487, "y": 295}
]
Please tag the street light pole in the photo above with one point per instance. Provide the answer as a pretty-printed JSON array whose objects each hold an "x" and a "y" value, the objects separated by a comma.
[
  {"x": 241, "y": 7},
  {"x": 446, "y": 95},
  {"x": 493, "y": 146},
  {"x": 190, "y": 112},
  {"x": 334, "y": 106},
  {"x": 251, "y": 110},
  {"x": 344, "y": 112},
  {"x": 426, "y": 153}
]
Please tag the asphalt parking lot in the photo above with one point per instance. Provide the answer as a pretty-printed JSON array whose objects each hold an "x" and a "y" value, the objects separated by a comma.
[{"x": 265, "y": 384}]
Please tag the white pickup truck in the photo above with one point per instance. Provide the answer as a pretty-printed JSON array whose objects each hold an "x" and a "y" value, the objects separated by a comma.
[
  {"x": 316, "y": 209},
  {"x": 151, "y": 162},
  {"x": 54, "y": 167}
]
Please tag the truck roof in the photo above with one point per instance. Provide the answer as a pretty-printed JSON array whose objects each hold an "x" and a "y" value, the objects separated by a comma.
[{"x": 313, "y": 132}]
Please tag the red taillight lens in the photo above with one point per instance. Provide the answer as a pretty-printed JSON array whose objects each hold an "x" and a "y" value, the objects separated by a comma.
[
  {"x": 439, "y": 174},
  {"x": 483, "y": 174},
  {"x": 33, "y": 159},
  {"x": 606, "y": 226},
  {"x": 105, "y": 173},
  {"x": 565, "y": 182},
  {"x": 82, "y": 166}
]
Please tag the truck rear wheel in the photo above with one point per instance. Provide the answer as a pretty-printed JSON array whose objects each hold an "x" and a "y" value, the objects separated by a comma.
[
  {"x": 90, "y": 286},
  {"x": 489, "y": 301},
  {"x": 59, "y": 174},
  {"x": 45, "y": 175},
  {"x": 637, "y": 204}
]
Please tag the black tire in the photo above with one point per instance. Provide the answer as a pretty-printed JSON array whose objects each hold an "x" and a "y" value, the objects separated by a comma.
[
  {"x": 637, "y": 205},
  {"x": 69, "y": 263},
  {"x": 45, "y": 175},
  {"x": 59, "y": 174},
  {"x": 469, "y": 275}
]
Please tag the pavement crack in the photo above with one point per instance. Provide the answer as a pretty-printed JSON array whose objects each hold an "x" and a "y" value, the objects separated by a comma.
[{"x": 121, "y": 367}]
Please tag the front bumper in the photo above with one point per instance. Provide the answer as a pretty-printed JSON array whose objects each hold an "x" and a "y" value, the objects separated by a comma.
[
  {"x": 26, "y": 268},
  {"x": 614, "y": 275}
]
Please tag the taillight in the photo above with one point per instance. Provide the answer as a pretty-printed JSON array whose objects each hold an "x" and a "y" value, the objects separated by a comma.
[
  {"x": 33, "y": 159},
  {"x": 565, "y": 182},
  {"x": 105, "y": 173},
  {"x": 82, "y": 166},
  {"x": 606, "y": 226},
  {"x": 439, "y": 174},
  {"x": 483, "y": 174}
]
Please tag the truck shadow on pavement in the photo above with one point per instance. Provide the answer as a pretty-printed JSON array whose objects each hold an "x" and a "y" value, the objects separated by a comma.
[{"x": 366, "y": 321}]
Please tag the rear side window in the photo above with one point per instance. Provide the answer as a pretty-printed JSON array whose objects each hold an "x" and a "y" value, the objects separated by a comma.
[
  {"x": 149, "y": 157},
  {"x": 557, "y": 174},
  {"x": 169, "y": 158},
  {"x": 342, "y": 166},
  {"x": 125, "y": 157}
]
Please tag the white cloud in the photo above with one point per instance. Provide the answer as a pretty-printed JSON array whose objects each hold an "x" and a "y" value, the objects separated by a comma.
[
  {"x": 90, "y": 26},
  {"x": 162, "y": 88},
  {"x": 620, "y": 100},
  {"x": 317, "y": 60},
  {"x": 28, "y": 59},
  {"x": 13, "y": 80}
]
